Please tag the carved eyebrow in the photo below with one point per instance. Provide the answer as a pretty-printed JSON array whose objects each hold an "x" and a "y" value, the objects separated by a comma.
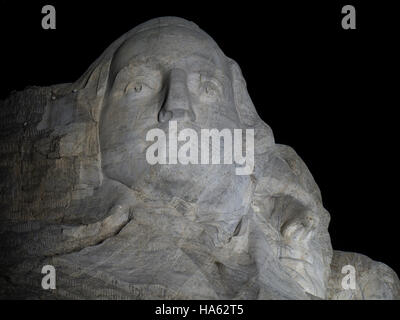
[
  {"x": 216, "y": 74},
  {"x": 212, "y": 78},
  {"x": 140, "y": 64},
  {"x": 137, "y": 70},
  {"x": 208, "y": 60},
  {"x": 214, "y": 71}
]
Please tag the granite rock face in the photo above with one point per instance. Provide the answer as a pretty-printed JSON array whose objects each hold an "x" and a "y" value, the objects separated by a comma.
[{"x": 78, "y": 193}]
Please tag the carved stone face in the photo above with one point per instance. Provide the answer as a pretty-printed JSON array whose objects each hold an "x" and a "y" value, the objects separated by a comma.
[
  {"x": 156, "y": 76},
  {"x": 177, "y": 74}
]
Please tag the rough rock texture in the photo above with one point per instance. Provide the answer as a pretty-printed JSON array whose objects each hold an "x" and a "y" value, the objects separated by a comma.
[
  {"x": 77, "y": 193},
  {"x": 374, "y": 280}
]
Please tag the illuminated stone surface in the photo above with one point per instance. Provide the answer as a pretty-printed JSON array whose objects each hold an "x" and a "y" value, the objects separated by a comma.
[{"x": 77, "y": 192}]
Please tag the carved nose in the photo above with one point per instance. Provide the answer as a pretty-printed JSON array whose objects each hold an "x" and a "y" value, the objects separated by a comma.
[{"x": 177, "y": 105}]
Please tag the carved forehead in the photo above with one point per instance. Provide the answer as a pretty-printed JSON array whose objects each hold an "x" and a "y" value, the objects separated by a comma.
[{"x": 167, "y": 45}]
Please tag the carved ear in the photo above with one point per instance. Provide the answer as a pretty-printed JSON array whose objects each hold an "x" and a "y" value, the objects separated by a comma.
[{"x": 245, "y": 107}]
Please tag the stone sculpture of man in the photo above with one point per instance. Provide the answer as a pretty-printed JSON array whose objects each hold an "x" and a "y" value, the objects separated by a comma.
[{"x": 82, "y": 197}]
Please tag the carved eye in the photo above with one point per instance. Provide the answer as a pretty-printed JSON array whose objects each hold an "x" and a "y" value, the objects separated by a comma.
[
  {"x": 210, "y": 89},
  {"x": 136, "y": 88},
  {"x": 206, "y": 87}
]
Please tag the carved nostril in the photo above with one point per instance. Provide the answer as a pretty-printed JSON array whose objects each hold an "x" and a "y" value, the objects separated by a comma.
[
  {"x": 164, "y": 115},
  {"x": 182, "y": 114},
  {"x": 175, "y": 114},
  {"x": 177, "y": 104}
]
